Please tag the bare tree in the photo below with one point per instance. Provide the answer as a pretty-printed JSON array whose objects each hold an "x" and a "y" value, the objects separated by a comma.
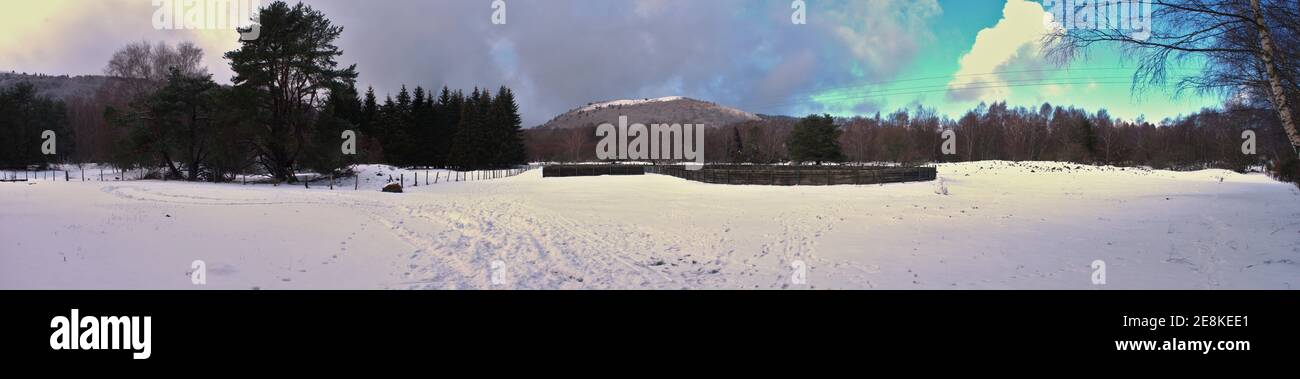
[
  {"x": 146, "y": 65},
  {"x": 574, "y": 141},
  {"x": 1249, "y": 48}
]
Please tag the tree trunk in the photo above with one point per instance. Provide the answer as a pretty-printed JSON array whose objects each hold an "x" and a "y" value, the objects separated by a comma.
[{"x": 1280, "y": 100}]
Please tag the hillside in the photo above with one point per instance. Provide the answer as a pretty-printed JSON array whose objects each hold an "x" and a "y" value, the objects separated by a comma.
[
  {"x": 675, "y": 109},
  {"x": 62, "y": 87}
]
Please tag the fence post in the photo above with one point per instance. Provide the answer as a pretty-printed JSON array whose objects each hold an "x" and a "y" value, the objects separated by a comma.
[
  {"x": 356, "y": 182},
  {"x": 417, "y": 179},
  {"x": 402, "y": 177},
  {"x": 426, "y": 177},
  {"x": 331, "y": 180}
]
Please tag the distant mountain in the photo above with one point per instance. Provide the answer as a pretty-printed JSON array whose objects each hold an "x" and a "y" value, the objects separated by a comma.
[
  {"x": 674, "y": 109},
  {"x": 60, "y": 87}
]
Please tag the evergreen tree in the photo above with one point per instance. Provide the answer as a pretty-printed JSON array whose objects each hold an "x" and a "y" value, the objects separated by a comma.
[
  {"x": 173, "y": 123},
  {"x": 815, "y": 139},
  {"x": 737, "y": 149},
  {"x": 233, "y": 148},
  {"x": 286, "y": 67},
  {"x": 386, "y": 131},
  {"x": 418, "y": 130},
  {"x": 510, "y": 145},
  {"x": 466, "y": 148},
  {"x": 23, "y": 117},
  {"x": 369, "y": 111},
  {"x": 446, "y": 124},
  {"x": 180, "y": 113},
  {"x": 341, "y": 109}
]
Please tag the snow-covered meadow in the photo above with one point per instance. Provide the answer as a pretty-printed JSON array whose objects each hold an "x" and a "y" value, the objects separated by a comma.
[{"x": 1001, "y": 225}]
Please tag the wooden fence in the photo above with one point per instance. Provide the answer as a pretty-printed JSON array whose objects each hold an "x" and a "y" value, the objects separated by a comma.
[
  {"x": 798, "y": 175},
  {"x": 758, "y": 174},
  {"x": 557, "y": 171}
]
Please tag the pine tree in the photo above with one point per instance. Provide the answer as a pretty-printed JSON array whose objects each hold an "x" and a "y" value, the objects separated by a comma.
[
  {"x": 369, "y": 112},
  {"x": 341, "y": 109},
  {"x": 445, "y": 125},
  {"x": 737, "y": 148},
  {"x": 385, "y": 130},
  {"x": 815, "y": 139},
  {"x": 418, "y": 131},
  {"x": 302, "y": 38},
  {"x": 23, "y": 117},
  {"x": 465, "y": 144},
  {"x": 510, "y": 145}
]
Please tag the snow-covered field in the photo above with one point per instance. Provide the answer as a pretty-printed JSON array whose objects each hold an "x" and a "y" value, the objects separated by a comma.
[{"x": 1001, "y": 225}]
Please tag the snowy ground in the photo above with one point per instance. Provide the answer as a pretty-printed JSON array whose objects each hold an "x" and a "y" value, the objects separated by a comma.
[{"x": 1001, "y": 226}]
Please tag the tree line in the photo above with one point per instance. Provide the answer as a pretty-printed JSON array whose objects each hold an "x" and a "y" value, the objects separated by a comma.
[
  {"x": 285, "y": 113},
  {"x": 1210, "y": 138},
  {"x": 475, "y": 131},
  {"x": 24, "y": 117},
  {"x": 290, "y": 102}
]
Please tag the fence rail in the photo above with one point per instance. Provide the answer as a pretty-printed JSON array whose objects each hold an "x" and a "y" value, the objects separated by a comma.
[
  {"x": 557, "y": 171},
  {"x": 758, "y": 174},
  {"x": 798, "y": 175}
]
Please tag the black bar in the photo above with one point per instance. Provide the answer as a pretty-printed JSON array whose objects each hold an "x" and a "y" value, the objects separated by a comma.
[{"x": 316, "y": 326}]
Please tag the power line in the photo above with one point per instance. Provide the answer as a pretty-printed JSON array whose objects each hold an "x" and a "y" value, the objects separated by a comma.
[
  {"x": 905, "y": 90},
  {"x": 864, "y": 97},
  {"x": 938, "y": 77}
]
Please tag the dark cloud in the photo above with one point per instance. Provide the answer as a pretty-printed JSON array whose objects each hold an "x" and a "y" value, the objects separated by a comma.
[{"x": 560, "y": 54}]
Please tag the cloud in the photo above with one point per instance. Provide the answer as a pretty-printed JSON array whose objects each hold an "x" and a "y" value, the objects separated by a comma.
[
  {"x": 885, "y": 34},
  {"x": 77, "y": 37},
  {"x": 556, "y": 54},
  {"x": 1005, "y": 54}
]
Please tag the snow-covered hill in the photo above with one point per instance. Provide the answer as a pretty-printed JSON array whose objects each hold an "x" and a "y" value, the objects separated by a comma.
[
  {"x": 57, "y": 87},
  {"x": 673, "y": 109},
  {"x": 1002, "y": 225}
]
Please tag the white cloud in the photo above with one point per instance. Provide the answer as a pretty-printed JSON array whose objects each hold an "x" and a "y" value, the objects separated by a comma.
[
  {"x": 885, "y": 34},
  {"x": 1013, "y": 42}
]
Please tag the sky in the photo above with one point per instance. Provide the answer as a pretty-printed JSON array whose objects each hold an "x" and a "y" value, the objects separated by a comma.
[{"x": 850, "y": 57}]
